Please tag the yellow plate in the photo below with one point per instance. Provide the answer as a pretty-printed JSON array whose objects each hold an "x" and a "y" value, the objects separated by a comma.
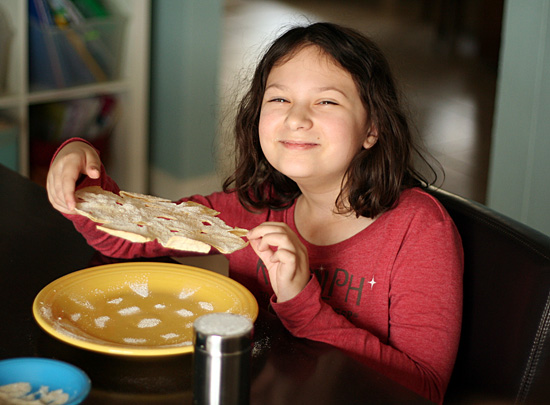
[{"x": 137, "y": 309}]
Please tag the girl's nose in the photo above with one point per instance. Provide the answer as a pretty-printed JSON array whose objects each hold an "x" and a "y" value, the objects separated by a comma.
[{"x": 299, "y": 118}]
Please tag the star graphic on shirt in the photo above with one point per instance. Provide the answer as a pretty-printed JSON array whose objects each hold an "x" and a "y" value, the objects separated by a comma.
[
  {"x": 319, "y": 270},
  {"x": 372, "y": 282}
]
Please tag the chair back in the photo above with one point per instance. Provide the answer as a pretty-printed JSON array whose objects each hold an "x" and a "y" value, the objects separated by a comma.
[{"x": 504, "y": 348}]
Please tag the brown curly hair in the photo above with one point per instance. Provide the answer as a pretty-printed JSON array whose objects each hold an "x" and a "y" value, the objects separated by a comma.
[{"x": 375, "y": 176}]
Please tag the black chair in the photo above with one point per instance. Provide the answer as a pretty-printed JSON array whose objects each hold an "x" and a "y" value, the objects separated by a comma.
[{"x": 504, "y": 348}]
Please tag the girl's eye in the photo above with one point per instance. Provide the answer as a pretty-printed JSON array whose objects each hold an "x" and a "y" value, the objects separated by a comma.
[
  {"x": 328, "y": 102},
  {"x": 277, "y": 100}
]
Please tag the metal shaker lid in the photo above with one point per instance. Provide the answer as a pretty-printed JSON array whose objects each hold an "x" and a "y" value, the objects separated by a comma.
[{"x": 223, "y": 333}]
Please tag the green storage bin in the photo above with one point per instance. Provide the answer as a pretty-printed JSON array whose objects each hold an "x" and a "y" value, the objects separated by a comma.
[{"x": 8, "y": 144}]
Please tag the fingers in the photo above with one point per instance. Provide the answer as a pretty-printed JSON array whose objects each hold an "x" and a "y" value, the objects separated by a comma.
[
  {"x": 61, "y": 186},
  {"x": 269, "y": 237},
  {"x": 74, "y": 159},
  {"x": 284, "y": 256},
  {"x": 275, "y": 231},
  {"x": 270, "y": 240},
  {"x": 92, "y": 170}
]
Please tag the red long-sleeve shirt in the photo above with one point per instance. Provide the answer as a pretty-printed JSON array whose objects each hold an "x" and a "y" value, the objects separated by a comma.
[{"x": 390, "y": 296}]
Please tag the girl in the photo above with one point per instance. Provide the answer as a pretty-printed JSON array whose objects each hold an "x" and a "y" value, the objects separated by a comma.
[{"x": 344, "y": 245}]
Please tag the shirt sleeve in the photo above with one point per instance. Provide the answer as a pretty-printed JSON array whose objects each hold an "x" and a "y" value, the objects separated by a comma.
[{"x": 424, "y": 314}]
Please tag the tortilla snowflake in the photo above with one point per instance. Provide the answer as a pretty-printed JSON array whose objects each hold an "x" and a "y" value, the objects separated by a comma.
[{"x": 142, "y": 218}]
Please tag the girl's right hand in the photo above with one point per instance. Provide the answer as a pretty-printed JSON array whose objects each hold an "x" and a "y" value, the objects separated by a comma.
[
  {"x": 284, "y": 256},
  {"x": 74, "y": 159}
]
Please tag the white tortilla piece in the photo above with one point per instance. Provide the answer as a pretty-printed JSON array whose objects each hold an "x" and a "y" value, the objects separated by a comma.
[
  {"x": 141, "y": 218},
  {"x": 20, "y": 393},
  {"x": 56, "y": 397},
  {"x": 15, "y": 390}
]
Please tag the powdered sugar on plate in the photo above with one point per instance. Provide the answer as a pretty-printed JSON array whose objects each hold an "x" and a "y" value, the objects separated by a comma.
[
  {"x": 208, "y": 306},
  {"x": 129, "y": 311},
  {"x": 141, "y": 289},
  {"x": 101, "y": 321},
  {"x": 185, "y": 313},
  {"x": 148, "y": 323},
  {"x": 115, "y": 301},
  {"x": 187, "y": 292}
]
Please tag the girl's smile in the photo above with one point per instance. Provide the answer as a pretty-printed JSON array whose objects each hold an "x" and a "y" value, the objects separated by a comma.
[
  {"x": 312, "y": 120},
  {"x": 298, "y": 145}
]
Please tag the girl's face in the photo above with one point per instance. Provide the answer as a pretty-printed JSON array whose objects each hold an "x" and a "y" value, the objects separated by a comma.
[{"x": 312, "y": 120}]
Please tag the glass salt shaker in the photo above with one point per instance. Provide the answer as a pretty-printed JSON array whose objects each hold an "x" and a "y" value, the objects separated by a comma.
[{"x": 223, "y": 345}]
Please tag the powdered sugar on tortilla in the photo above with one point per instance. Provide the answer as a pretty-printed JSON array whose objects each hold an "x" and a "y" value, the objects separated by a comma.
[{"x": 141, "y": 218}]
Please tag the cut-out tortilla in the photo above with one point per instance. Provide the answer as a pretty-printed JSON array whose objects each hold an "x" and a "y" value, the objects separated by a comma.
[{"x": 142, "y": 218}]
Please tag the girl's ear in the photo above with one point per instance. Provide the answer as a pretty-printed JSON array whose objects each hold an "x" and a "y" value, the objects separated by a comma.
[{"x": 371, "y": 139}]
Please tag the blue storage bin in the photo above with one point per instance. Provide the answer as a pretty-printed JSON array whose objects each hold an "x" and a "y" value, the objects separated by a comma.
[{"x": 82, "y": 54}]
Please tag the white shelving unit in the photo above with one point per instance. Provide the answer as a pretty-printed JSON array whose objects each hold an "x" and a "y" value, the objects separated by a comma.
[{"x": 129, "y": 143}]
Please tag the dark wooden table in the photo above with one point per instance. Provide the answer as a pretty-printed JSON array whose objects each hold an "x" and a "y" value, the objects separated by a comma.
[{"x": 38, "y": 245}]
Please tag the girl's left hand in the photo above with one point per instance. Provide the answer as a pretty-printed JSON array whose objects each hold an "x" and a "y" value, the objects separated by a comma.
[{"x": 284, "y": 256}]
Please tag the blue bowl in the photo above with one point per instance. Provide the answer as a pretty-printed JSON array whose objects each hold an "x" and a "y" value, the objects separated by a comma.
[{"x": 54, "y": 374}]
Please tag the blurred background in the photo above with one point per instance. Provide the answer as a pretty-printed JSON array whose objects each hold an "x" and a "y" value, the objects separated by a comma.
[
  {"x": 475, "y": 75},
  {"x": 154, "y": 84},
  {"x": 443, "y": 53}
]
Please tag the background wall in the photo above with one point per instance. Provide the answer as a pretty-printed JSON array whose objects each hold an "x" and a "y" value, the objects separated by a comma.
[
  {"x": 519, "y": 176},
  {"x": 185, "y": 48}
]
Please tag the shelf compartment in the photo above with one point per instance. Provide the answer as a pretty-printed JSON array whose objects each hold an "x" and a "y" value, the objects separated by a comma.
[
  {"x": 8, "y": 143},
  {"x": 77, "y": 55},
  {"x": 6, "y": 36},
  {"x": 50, "y": 124}
]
